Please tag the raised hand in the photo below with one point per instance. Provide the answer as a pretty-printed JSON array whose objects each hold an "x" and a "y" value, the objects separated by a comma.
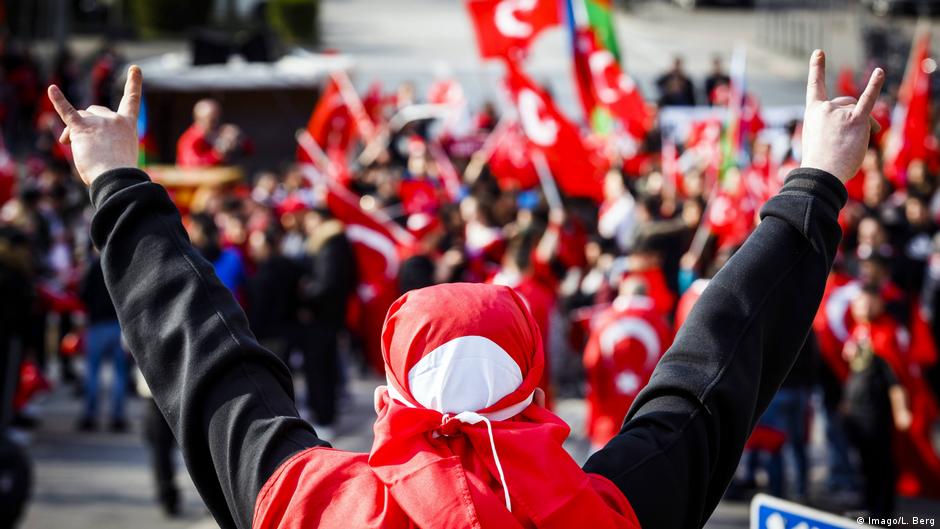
[
  {"x": 101, "y": 139},
  {"x": 836, "y": 132}
]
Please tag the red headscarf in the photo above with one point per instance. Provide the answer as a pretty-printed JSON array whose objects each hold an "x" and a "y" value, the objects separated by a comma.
[
  {"x": 458, "y": 442},
  {"x": 461, "y": 444}
]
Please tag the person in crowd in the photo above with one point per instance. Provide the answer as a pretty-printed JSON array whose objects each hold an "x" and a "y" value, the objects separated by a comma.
[
  {"x": 787, "y": 414},
  {"x": 716, "y": 78},
  {"x": 626, "y": 342},
  {"x": 675, "y": 87},
  {"x": 17, "y": 267},
  {"x": 162, "y": 446},
  {"x": 229, "y": 266},
  {"x": 424, "y": 267},
  {"x": 273, "y": 293},
  {"x": 478, "y": 435},
  {"x": 874, "y": 404},
  {"x": 103, "y": 72},
  {"x": 325, "y": 291},
  {"x": 930, "y": 309},
  {"x": 102, "y": 342},
  {"x": 209, "y": 142}
]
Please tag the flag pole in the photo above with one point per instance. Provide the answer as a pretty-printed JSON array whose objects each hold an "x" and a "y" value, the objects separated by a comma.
[
  {"x": 485, "y": 152},
  {"x": 446, "y": 172},
  {"x": 351, "y": 98},
  {"x": 547, "y": 180},
  {"x": 313, "y": 149},
  {"x": 702, "y": 232},
  {"x": 309, "y": 145}
]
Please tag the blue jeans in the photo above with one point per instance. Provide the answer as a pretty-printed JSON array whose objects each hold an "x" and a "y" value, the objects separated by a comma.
[
  {"x": 104, "y": 340},
  {"x": 786, "y": 413}
]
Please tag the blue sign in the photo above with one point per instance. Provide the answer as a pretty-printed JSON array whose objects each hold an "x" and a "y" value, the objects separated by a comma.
[{"x": 768, "y": 512}]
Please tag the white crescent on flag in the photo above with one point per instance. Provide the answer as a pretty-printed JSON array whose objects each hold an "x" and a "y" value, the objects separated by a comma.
[
  {"x": 542, "y": 131},
  {"x": 637, "y": 329},
  {"x": 599, "y": 61},
  {"x": 506, "y": 18},
  {"x": 837, "y": 306}
]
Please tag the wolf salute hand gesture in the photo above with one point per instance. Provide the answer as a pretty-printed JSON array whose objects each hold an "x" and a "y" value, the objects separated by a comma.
[
  {"x": 836, "y": 132},
  {"x": 101, "y": 139}
]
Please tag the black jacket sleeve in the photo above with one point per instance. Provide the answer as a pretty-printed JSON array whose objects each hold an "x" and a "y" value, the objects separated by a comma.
[
  {"x": 228, "y": 401},
  {"x": 684, "y": 434}
]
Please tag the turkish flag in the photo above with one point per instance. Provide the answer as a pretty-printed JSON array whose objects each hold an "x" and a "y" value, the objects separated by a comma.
[
  {"x": 510, "y": 164},
  {"x": 626, "y": 342},
  {"x": 910, "y": 137},
  {"x": 378, "y": 245},
  {"x": 506, "y": 28},
  {"x": 730, "y": 216},
  {"x": 603, "y": 83},
  {"x": 331, "y": 124},
  {"x": 705, "y": 141},
  {"x": 578, "y": 168}
]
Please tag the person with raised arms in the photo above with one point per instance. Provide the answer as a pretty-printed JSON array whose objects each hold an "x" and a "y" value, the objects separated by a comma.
[{"x": 461, "y": 438}]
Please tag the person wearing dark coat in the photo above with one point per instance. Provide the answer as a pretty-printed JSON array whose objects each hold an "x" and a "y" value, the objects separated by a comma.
[{"x": 325, "y": 291}]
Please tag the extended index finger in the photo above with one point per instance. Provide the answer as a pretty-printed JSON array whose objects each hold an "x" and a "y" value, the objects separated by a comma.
[
  {"x": 866, "y": 103},
  {"x": 62, "y": 106},
  {"x": 816, "y": 83},
  {"x": 130, "y": 103}
]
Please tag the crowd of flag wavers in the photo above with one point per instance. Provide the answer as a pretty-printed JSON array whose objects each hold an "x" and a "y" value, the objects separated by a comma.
[{"x": 606, "y": 230}]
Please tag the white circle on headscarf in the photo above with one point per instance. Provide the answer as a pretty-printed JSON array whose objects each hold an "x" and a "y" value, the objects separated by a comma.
[{"x": 469, "y": 373}]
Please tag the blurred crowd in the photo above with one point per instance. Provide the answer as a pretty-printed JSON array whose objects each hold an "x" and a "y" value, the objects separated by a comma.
[{"x": 315, "y": 253}]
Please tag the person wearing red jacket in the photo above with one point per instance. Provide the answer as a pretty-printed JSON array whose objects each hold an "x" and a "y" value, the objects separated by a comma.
[
  {"x": 208, "y": 142},
  {"x": 874, "y": 401},
  {"x": 461, "y": 440},
  {"x": 626, "y": 342}
]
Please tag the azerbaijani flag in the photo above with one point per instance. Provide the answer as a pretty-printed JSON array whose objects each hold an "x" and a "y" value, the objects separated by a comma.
[
  {"x": 600, "y": 17},
  {"x": 144, "y": 140},
  {"x": 732, "y": 143},
  {"x": 584, "y": 41}
]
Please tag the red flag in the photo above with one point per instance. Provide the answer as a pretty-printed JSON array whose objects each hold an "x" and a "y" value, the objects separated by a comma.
[
  {"x": 626, "y": 342},
  {"x": 510, "y": 164},
  {"x": 331, "y": 124},
  {"x": 602, "y": 83},
  {"x": 910, "y": 124},
  {"x": 378, "y": 245},
  {"x": 375, "y": 102},
  {"x": 7, "y": 173},
  {"x": 705, "y": 141},
  {"x": 730, "y": 214},
  {"x": 506, "y": 28},
  {"x": 577, "y": 168},
  {"x": 846, "y": 82},
  {"x": 923, "y": 348}
]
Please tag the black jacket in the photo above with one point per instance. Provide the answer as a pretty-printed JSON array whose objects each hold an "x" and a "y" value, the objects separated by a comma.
[
  {"x": 273, "y": 296},
  {"x": 331, "y": 278}
]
